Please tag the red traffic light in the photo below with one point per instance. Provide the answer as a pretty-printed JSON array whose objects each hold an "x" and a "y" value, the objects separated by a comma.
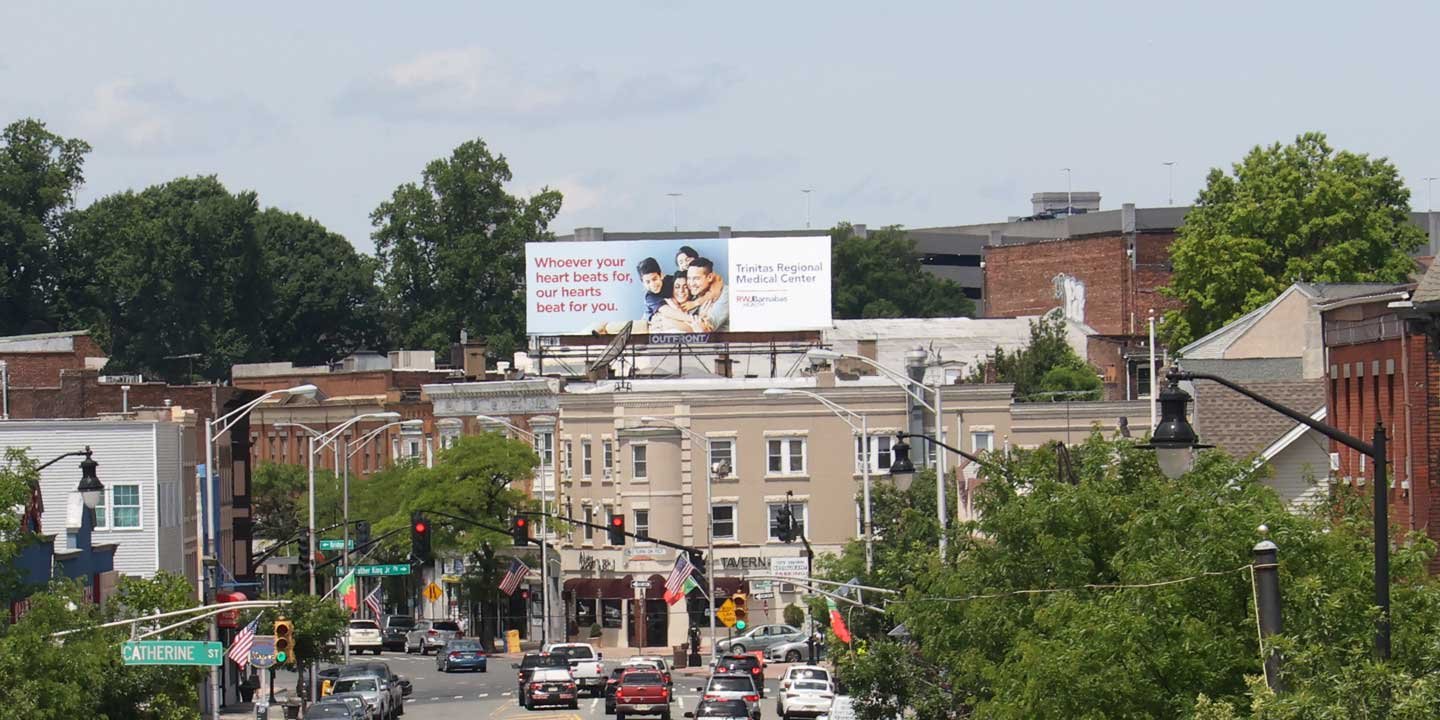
[
  {"x": 421, "y": 527},
  {"x": 617, "y": 521},
  {"x": 521, "y": 522}
]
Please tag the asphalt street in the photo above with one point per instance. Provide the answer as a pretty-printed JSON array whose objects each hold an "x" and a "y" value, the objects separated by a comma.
[{"x": 491, "y": 695}]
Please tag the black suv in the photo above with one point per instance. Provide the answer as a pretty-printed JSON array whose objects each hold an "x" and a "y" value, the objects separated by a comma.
[
  {"x": 393, "y": 629},
  {"x": 530, "y": 662},
  {"x": 747, "y": 665}
]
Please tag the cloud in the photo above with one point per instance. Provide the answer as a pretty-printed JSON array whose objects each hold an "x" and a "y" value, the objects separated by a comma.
[
  {"x": 470, "y": 84},
  {"x": 746, "y": 169},
  {"x": 152, "y": 117}
]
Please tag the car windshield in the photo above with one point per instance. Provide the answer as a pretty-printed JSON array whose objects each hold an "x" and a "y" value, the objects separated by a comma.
[
  {"x": 401, "y": 622},
  {"x": 328, "y": 710},
  {"x": 446, "y": 625},
  {"x": 731, "y": 684},
  {"x": 531, "y": 661},
  {"x": 739, "y": 663},
  {"x": 812, "y": 685},
  {"x": 575, "y": 652},
  {"x": 551, "y": 675},
  {"x": 810, "y": 674},
  {"x": 642, "y": 678},
  {"x": 363, "y": 625},
  {"x": 722, "y": 709},
  {"x": 465, "y": 645},
  {"x": 355, "y": 685}
]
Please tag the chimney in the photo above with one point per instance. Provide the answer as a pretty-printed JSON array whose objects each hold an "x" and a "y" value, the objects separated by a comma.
[{"x": 474, "y": 359}]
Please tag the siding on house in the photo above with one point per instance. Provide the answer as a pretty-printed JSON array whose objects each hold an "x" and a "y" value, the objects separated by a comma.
[{"x": 170, "y": 543}]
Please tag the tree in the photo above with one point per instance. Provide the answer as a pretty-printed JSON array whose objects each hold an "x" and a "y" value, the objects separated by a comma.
[
  {"x": 18, "y": 478},
  {"x": 452, "y": 251},
  {"x": 1125, "y": 594},
  {"x": 324, "y": 301},
  {"x": 1298, "y": 212},
  {"x": 317, "y": 622},
  {"x": 1045, "y": 370},
  {"x": 880, "y": 276},
  {"x": 171, "y": 270},
  {"x": 39, "y": 174}
]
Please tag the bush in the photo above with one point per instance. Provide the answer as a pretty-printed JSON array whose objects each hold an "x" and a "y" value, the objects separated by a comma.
[
  {"x": 595, "y": 630},
  {"x": 794, "y": 616}
]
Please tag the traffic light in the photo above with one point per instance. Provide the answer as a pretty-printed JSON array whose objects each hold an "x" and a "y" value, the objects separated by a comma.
[
  {"x": 742, "y": 610},
  {"x": 419, "y": 537},
  {"x": 785, "y": 524},
  {"x": 303, "y": 554},
  {"x": 362, "y": 533},
  {"x": 284, "y": 633},
  {"x": 525, "y": 596},
  {"x": 617, "y": 530},
  {"x": 520, "y": 530}
]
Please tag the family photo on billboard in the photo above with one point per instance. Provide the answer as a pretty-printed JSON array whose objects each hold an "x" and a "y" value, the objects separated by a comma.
[{"x": 691, "y": 299}]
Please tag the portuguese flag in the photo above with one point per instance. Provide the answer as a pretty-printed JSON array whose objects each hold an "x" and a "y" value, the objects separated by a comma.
[
  {"x": 348, "y": 593},
  {"x": 837, "y": 623}
]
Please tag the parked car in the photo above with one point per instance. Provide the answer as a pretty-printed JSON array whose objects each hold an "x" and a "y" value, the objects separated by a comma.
[
  {"x": 328, "y": 676},
  {"x": 335, "y": 710},
  {"x": 642, "y": 692},
  {"x": 732, "y": 687},
  {"x": 394, "y": 684},
  {"x": 393, "y": 629},
  {"x": 461, "y": 655},
  {"x": 805, "y": 698},
  {"x": 721, "y": 710},
  {"x": 429, "y": 635},
  {"x": 366, "y": 711},
  {"x": 356, "y": 704},
  {"x": 364, "y": 635},
  {"x": 532, "y": 662},
  {"x": 374, "y": 691},
  {"x": 796, "y": 651},
  {"x": 585, "y": 665},
  {"x": 551, "y": 686},
  {"x": 760, "y": 637},
  {"x": 748, "y": 666}
]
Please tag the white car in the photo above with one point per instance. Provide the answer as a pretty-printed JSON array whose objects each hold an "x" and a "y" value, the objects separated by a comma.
[
  {"x": 805, "y": 672},
  {"x": 805, "y": 698},
  {"x": 365, "y": 635},
  {"x": 585, "y": 665}
]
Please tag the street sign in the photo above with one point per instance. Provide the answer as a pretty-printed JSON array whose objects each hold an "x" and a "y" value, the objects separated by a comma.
[
  {"x": 726, "y": 614},
  {"x": 335, "y": 545},
  {"x": 368, "y": 570},
  {"x": 640, "y": 584},
  {"x": 762, "y": 596},
  {"x": 760, "y": 587},
  {"x": 432, "y": 592},
  {"x": 795, "y": 567},
  {"x": 262, "y": 651},
  {"x": 172, "y": 652}
]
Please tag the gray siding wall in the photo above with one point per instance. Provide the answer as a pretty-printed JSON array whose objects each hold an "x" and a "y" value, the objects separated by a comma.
[
  {"x": 1300, "y": 473},
  {"x": 169, "y": 466}
]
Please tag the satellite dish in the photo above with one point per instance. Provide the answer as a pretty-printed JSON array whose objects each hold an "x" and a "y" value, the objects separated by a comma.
[{"x": 600, "y": 369}]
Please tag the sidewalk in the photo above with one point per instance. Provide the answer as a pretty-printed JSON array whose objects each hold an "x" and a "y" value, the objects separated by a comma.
[{"x": 246, "y": 711}]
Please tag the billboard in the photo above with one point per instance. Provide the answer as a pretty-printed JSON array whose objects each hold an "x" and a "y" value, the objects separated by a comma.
[{"x": 678, "y": 287}]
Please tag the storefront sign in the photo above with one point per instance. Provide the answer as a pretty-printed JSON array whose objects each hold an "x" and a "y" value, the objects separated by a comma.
[
  {"x": 590, "y": 563},
  {"x": 747, "y": 562}
]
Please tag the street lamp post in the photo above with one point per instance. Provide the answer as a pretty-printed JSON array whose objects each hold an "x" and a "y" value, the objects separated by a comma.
[
  {"x": 849, "y": 416},
  {"x": 1174, "y": 441},
  {"x": 544, "y": 518}
]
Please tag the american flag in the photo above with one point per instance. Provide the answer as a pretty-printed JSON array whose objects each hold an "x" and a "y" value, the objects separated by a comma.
[
  {"x": 240, "y": 647},
  {"x": 518, "y": 571},
  {"x": 675, "y": 584},
  {"x": 373, "y": 601}
]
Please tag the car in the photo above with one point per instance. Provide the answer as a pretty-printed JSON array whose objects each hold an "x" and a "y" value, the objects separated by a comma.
[
  {"x": 328, "y": 676},
  {"x": 532, "y": 662},
  {"x": 338, "y": 709},
  {"x": 374, "y": 691},
  {"x": 461, "y": 655},
  {"x": 732, "y": 687},
  {"x": 663, "y": 664},
  {"x": 394, "y": 684},
  {"x": 393, "y": 629},
  {"x": 429, "y": 635},
  {"x": 805, "y": 672},
  {"x": 792, "y": 652},
  {"x": 746, "y": 665},
  {"x": 642, "y": 692},
  {"x": 636, "y": 663},
  {"x": 760, "y": 637},
  {"x": 551, "y": 686},
  {"x": 721, "y": 710},
  {"x": 805, "y": 698},
  {"x": 364, "y": 635},
  {"x": 365, "y": 710},
  {"x": 585, "y": 665},
  {"x": 356, "y": 704}
]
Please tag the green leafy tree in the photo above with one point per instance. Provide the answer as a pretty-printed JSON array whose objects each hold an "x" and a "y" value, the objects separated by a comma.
[
  {"x": 173, "y": 269},
  {"x": 794, "y": 615},
  {"x": 452, "y": 251},
  {"x": 1026, "y": 619},
  {"x": 1045, "y": 370},
  {"x": 39, "y": 175},
  {"x": 1288, "y": 213},
  {"x": 324, "y": 301},
  {"x": 880, "y": 276}
]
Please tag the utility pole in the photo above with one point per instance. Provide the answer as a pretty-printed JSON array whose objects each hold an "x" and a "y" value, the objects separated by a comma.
[
  {"x": 807, "y": 192},
  {"x": 1069, "y": 194},
  {"x": 675, "y": 210},
  {"x": 1170, "y": 196}
]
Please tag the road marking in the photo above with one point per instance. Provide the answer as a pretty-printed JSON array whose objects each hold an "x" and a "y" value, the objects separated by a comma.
[
  {"x": 681, "y": 701},
  {"x": 594, "y": 703},
  {"x": 505, "y": 694},
  {"x": 459, "y": 697},
  {"x": 484, "y": 695}
]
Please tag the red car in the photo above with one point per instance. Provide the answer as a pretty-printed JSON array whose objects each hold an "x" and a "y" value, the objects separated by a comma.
[{"x": 642, "y": 692}]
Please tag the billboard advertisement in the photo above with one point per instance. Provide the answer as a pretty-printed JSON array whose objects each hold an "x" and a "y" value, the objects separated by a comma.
[{"x": 678, "y": 287}]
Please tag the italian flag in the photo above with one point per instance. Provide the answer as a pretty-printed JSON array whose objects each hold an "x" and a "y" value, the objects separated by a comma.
[
  {"x": 672, "y": 598},
  {"x": 348, "y": 593},
  {"x": 837, "y": 623}
]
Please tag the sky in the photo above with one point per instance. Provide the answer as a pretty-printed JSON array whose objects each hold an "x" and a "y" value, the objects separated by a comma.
[{"x": 907, "y": 113}]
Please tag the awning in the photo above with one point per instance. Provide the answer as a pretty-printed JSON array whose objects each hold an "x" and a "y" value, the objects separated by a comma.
[{"x": 620, "y": 589}]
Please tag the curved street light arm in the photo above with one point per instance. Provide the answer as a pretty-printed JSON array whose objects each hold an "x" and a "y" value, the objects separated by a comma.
[
  {"x": 223, "y": 423},
  {"x": 507, "y": 424},
  {"x": 1176, "y": 375},
  {"x": 354, "y": 445},
  {"x": 846, "y": 414},
  {"x": 988, "y": 465}
]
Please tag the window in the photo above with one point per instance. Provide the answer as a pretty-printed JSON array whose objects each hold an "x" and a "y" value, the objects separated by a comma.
[
  {"x": 787, "y": 456},
  {"x": 586, "y": 458},
  {"x": 879, "y": 453},
  {"x": 982, "y": 441},
  {"x": 722, "y": 518},
  {"x": 799, "y": 510},
  {"x": 642, "y": 523},
  {"x": 639, "y": 463},
  {"x": 589, "y": 518},
  {"x": 545, "y": 447},
  {"x": 608, "y": 460},
  {"x": 723, "y": 452},
  {"x": 119, "y": 508},
  {"x": 569, "y": 457},
  {"x": 412, "y": 448}
]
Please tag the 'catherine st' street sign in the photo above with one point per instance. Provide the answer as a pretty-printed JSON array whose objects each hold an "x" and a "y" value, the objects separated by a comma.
[{"x": 172, "y": 652}]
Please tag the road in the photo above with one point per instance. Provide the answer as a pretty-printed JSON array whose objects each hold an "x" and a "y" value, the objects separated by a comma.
[{"x": 491, "y": 695}]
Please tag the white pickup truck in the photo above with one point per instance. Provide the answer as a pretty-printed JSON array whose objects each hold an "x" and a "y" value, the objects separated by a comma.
[{"x": 585, "y": 665}]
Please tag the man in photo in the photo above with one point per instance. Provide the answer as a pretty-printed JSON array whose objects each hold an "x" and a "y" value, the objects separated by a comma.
[
  {"x": 658, "y": 285},
  {"x": 707, "y": 291}
]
